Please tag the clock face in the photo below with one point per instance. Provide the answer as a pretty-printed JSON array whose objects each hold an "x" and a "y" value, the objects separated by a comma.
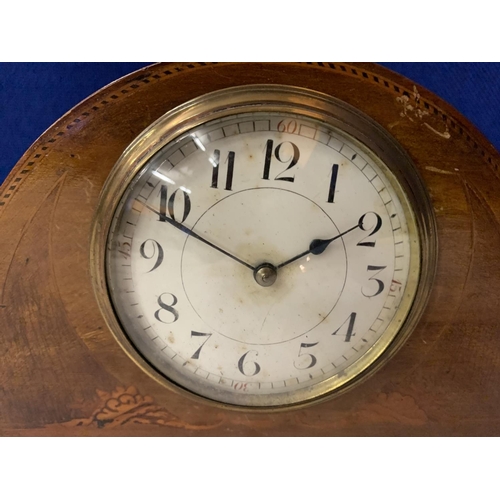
[{"x": 264, "y": 258}]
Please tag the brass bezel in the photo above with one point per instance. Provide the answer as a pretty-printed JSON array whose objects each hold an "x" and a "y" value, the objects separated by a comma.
[{"x": 312, "y": 104}]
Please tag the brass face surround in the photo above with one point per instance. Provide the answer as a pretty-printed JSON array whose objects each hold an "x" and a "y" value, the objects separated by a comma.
[{"x": 385, "y": 151}]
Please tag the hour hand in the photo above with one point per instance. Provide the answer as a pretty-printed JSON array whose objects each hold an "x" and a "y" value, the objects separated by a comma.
[{"x": 318, "y": 246}]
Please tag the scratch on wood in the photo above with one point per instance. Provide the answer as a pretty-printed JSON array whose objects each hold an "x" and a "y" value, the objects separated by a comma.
[
  {"x": 445, "y": 134},
  {"x": 51, "y": 235},
  {"x": 445, "y": 327},
  {"x": 57, "y": 185},
  {"x": 485, "y": 204},
  {"x": 439, "y": 171},
  {"x": 467, "y": 192},
  {"x": 393, "y": 124},
  {"x": 88, "y": 189},
  {"x": 386, "y": 408},
  {"x": 92, "y": 335},
  {"x": 215, "y": 70},
  {"x": 395, "y": 408}
]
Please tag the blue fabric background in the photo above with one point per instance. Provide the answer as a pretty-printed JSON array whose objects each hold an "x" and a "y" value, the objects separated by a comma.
[{"x": 35, "y": 95}]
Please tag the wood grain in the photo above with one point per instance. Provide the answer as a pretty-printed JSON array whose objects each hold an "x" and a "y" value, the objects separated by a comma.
[{"x": 62, "y": 373}]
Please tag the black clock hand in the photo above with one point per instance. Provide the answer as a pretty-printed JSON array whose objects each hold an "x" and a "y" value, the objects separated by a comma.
[
  {"x": 318, "y": 246},
  {"x": 189, "y": 232}
]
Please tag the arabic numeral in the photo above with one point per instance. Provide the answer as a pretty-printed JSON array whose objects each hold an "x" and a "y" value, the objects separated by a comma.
[
  {"x": 350, "y": 327},
  {"x": 369, "y": 222},
  {"x": 167, "y": 307},
  {"x": 287, "y": 126},
  {"x": 333, "y": 183},
  {"x": 156, "y": 251},
  {"x": 169, "y": 204},
  {"x": 380, "y": 283},
  {"x": 305, "y": 356},
  {"x": 248, "y": 368},
  {"x": 286, "y": 152},
  {"x": 215, "y": 170},
  {"x": 124, "y": 249},
  {"x": 196, "y": 354}
]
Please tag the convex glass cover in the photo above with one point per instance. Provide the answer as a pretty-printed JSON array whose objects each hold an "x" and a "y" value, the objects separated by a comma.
[{"x": 263, "y": 246}]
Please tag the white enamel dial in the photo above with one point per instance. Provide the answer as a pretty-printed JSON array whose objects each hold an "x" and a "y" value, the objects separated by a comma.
[{"x": 262, "y": 259}]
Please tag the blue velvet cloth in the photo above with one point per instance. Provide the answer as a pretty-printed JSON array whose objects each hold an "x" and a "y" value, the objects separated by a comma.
[{"x": 34, "y": 95}]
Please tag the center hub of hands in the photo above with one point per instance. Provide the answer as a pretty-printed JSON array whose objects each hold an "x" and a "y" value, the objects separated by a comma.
[{"x": 265, "y": 274}]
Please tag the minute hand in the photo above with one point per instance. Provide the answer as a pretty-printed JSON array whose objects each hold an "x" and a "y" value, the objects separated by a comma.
[
  {"x": 190, "y": 232},
  {"x": 317, "y": 247}
]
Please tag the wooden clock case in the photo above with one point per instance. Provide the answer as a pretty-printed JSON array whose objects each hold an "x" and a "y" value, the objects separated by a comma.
[{"x": 61, "y": 371}]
